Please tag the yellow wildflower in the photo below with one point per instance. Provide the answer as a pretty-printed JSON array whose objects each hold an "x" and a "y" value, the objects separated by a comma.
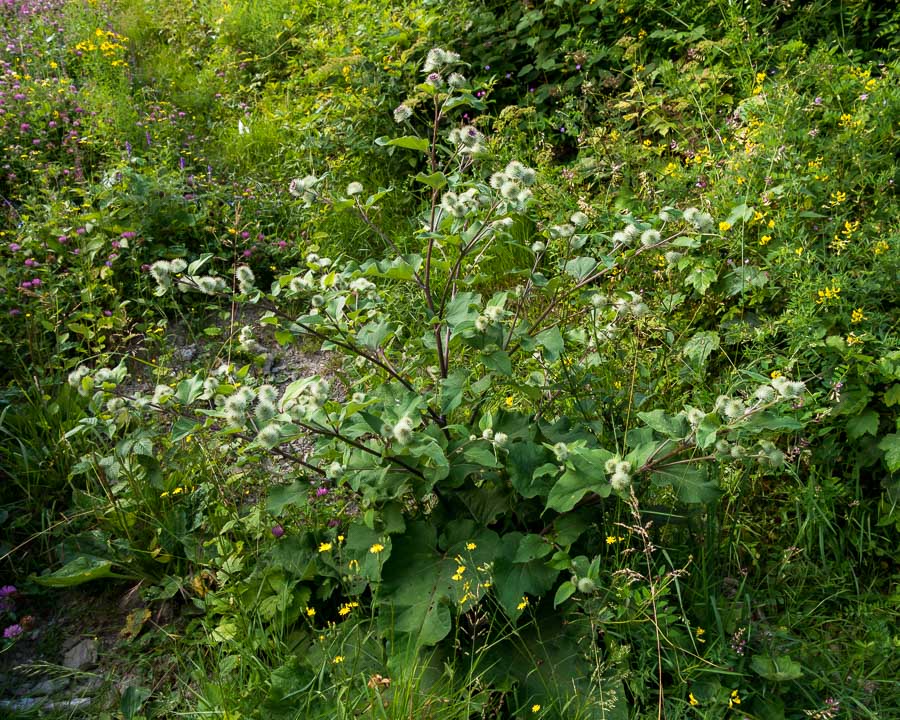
[
  {"x": 376, "y": 548},
  {"x": 324, "y": 547},
  {"x": 535, "y": 708},
  {"x": 699, "y": 633},
  {"x": 765, "y": 240},
  {"x": 471, "y": 546},
  {"x": 310, "y": 612},
  {"x": 724, "y": 226},
  {"x": 857, "y": 316},
  {"x": 338, "y": 659},
  {"x": 694, "y": 702},
  {"x": 523, "y": 604},
  {"x": 735, "y": 699}
]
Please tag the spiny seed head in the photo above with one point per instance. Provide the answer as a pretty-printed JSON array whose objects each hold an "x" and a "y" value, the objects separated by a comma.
[
  {"x": 269, "y": 436},
  {"x": 161, "y": 393},
  {"x": 620, "y": 481},
  {"x": 500, "y": 439},
  {"x": 265, "y": 411},
  {"x": 561, "y": 450},
  {"x": 210, "y": 285},
  {"x": 733, "y": 409},
  {"x": 764, "y": 393},
  {"x": 245, "y": 279},
  {"x": 695, "y": 417},
  {"x": 402, "y": 113},
  {"x": 579, "y": 219},
  {"x": 650, "y": 237},
  {"x": 403, "y": 430},
  {"x": 354, "y": 188}
]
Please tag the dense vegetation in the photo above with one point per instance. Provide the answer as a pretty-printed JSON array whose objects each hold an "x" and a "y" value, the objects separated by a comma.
[{"x": 456, "y": 360}]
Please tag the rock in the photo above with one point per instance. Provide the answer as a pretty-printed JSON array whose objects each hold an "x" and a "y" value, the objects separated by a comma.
[
  {"x": 81, "y": 656},
  {"x": 49, "y": 686}
]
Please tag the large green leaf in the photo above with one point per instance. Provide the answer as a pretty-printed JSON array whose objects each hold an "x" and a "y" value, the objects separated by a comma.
[
  {"x": 78, "y": 571},
  {"x": 780, "y": 668},
  {"x": 690, "y": 481},
  {"x": 584, "y": 473},
  {"x": 407, "y": 141},
  {"x": 516, "y": 581}
]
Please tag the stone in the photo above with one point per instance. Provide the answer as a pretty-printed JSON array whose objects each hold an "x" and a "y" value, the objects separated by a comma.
[
  {"x": 49, "y": 686},
  {"x": 81, "y": 656}
]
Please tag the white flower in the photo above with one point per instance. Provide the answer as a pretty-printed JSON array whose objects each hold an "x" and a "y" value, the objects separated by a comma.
[
  {"x": 354, "y": 188},
  {"x": 481, "y": 323},
  {"x": 561, "y": 450},
  {"x": 538, "y": 247}
]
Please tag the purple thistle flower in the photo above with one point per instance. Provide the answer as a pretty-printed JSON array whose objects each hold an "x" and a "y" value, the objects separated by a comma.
[
  {"x": 277, "y": 531},
  {"x": 8, "y": 590},
  {"x": 321, "y": 491},
  {"x": 13, "y": 631}
]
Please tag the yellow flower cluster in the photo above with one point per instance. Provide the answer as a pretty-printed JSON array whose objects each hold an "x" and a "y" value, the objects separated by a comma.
[
  {"x": 174, "y": 492},
  {"x": 107, "y": 43},
  {"x": 827, "y": 294}
]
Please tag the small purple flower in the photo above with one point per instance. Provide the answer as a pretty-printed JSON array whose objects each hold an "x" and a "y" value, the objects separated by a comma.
[
  {"x": 321, "y": 491},
  {"x": 13, "y": 631},
  {"x": 245, "y": 235},
  {"x": 578, "y": 67},
  {"x": 81, "y": 231},
  {"x": 864, "y": 97},
  {"x": 30, "y": 262},
  {"x": 26, "y": 285},
  {"x": 62, "y": 239},
  {"x": 107, "y": 313},
  {"x": 487, "y": 67},
  {"x": 508, "y": 75},
  {"x": 14, "y": 247},
  {"x": 277, "y": 531},
  {"x": 14, "y": 312},
  {"x": 8, "y": 590},
  {"x": 282, "y": 244},
  {"x": 128, "y": 148},
  {"x": 817, "y": 101},
  {"x": 248, "y": 252},
  {"x": 36, "y": 282}
]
